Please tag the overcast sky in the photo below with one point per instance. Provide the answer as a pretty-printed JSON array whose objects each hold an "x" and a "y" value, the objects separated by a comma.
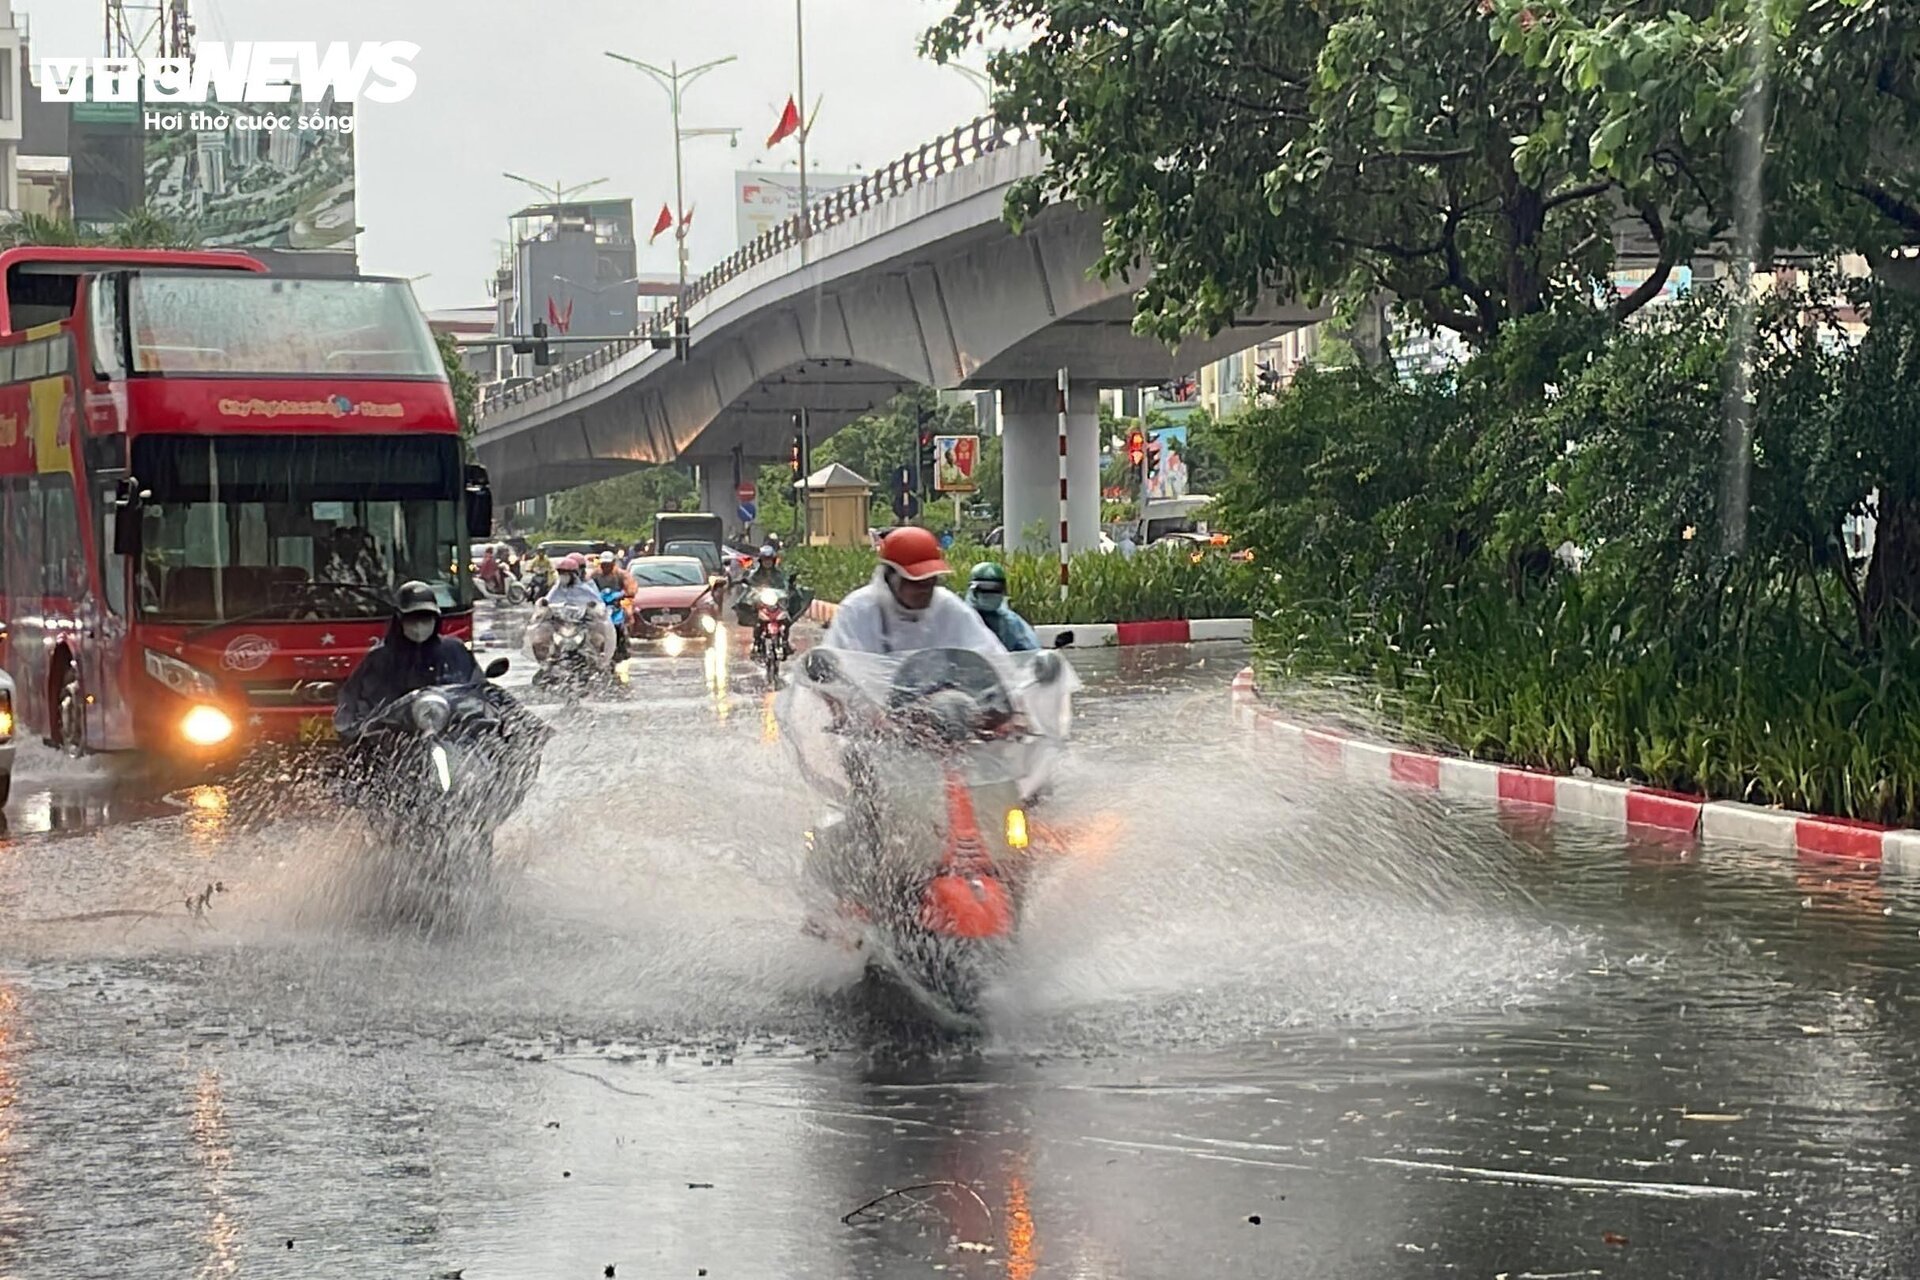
[{"x": 523, "y": 85}]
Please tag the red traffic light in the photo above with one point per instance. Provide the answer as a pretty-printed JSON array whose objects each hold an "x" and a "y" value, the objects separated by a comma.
[{"x": 1136, "y": 448}]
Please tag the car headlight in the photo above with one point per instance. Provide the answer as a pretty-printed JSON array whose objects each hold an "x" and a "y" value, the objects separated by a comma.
[
  {"x": 769, "y": 597},
  {"x": 6, "y": 713},
  {"x": 431, "y": 711},
  {"x": 708, "y": 623},
  {"x": 186, "y": 680},
  {"x": 206, "y": 726}
]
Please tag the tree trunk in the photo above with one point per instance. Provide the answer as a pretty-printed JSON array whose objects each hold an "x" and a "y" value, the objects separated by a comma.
[{"x": 1893, "y": 574}]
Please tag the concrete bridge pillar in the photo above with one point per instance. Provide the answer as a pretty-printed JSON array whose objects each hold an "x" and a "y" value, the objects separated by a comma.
[
  {"x": 1030, "y": 447},
  {"x": 716, "y": 489}
]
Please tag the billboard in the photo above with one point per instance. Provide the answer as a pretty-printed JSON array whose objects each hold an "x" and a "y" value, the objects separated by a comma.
[
  {"x": 261, "y": 181},
  {"x": 1166, "y": 469},
  {"x": 764, "y": 199},
  {"x": 955, "y": 460}
]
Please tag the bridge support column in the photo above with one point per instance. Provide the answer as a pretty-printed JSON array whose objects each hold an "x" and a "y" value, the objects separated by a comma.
[
  {"x": 1030, "y": 449},
  {"x": 717, "y": 490}
]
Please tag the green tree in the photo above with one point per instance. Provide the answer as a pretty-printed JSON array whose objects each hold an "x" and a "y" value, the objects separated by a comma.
[
  {"x": 466, "y": 391},
  {"x": 1460, "y": 156},
  {"x": 142, "y": 228},
  {"x": 622, "y": 507}
]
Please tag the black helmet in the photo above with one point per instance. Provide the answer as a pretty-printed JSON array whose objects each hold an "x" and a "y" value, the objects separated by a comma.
[{"x": 416, "y": 597}]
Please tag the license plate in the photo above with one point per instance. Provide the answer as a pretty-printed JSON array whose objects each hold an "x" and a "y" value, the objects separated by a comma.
[{"x": 317, "y": 729}]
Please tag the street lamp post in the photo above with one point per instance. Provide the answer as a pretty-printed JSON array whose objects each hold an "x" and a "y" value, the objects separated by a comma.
[
  {"x": 981, "y": 81},
  {"x": 676, "y": 83}
]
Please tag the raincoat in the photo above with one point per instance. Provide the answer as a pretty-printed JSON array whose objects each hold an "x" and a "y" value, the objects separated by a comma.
[
  {"x": 872, "y": 621},
  {"x": 397, "y": 667}
]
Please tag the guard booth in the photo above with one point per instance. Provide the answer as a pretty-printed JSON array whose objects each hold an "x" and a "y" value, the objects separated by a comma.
[{"x": 838, "y": 505}]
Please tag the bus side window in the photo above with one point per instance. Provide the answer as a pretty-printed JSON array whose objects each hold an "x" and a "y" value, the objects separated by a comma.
[
  {"x": 6, "y": 364},
  {"x": 30, "y": 361},
  {"x": 105, "y": 306},
  {"x": 113, "y": 566},
  {"x": 61, "y": 550},
  {"x": 59, "y": 355}
]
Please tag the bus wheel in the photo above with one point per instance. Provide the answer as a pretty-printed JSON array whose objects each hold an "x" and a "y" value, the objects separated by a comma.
[{"x": 72, "y": 708}]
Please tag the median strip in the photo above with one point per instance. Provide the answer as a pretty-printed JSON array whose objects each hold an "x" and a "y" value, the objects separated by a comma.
[{"x": 1621, "y": 804}]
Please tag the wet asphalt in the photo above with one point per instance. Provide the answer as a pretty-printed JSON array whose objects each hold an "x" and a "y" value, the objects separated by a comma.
[{"x": 1259, "y": 1023}]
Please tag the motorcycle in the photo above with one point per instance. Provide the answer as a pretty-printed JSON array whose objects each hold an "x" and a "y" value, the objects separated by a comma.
[
  {"x": 572, "y": 664},
  {"x": 435, "y": 773},
  {"x": 617, "y": 614},
  {"x": 510, "y": 588},
  {"x": 772, "y": 639},
  {"x": 928, "y": 761}
]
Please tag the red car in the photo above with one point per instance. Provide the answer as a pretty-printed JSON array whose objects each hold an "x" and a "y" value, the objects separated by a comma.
[{"x": 675, "y": 604}]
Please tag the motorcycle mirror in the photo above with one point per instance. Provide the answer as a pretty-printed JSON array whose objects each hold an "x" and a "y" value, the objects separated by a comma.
[
  {"x": 1064, "y": 640},
  {"x": 497, "y": 668}
]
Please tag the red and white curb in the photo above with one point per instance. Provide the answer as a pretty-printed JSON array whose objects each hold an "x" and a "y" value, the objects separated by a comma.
[
  {"x": 1619, "y": 804},
  {"x": 1098, "y": 635}
]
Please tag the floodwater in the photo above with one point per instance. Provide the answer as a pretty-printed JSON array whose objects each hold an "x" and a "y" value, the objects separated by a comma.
[{"x": 1260, "y": 1023}]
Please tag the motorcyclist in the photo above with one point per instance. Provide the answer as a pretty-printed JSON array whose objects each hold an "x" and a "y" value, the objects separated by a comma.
[
  {"x": 766, "y": 573},
  {"x": 611, "y": 577},
  {"x": 570, "y": 587},
  {"x": 413, "y": 656},
  {"x": 987, "y": 593},
  {"x": 905, "y": 608},
  {"x": 490, "y": 571}
]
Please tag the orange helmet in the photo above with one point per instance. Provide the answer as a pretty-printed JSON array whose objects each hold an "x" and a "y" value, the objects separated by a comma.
[{"x": 914, "y": 553}]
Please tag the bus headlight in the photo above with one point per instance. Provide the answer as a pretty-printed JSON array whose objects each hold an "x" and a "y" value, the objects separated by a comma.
[
  {"x": 206, "y": 726},
  {"x": 186, "y": 680}
]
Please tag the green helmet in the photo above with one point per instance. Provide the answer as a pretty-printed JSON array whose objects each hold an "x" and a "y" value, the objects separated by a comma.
[{"x": 990, "y": 576}]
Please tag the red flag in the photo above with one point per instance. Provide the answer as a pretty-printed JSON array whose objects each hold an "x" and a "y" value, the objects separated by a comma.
[
  {"x": 788, "y": 126},
  {"x": 561, "y": 320},
  {"x": 688, "y": 220},
  {"x": 664, "y": 223}
]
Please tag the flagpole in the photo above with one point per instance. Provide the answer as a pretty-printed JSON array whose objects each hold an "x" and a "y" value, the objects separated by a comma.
[{"x": 800, "y": 49}]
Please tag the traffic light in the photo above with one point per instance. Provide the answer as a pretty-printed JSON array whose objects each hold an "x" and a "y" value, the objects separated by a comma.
[
  {"x": 542, "y": 353},
  {"x": 797, "y": 459},
  {"x": 682, "y": 339},
  {"x": 926, "y": 460},
  {"x": 1136, "y": 448}
]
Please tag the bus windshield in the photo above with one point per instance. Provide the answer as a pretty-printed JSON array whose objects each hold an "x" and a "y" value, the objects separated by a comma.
[
  {"x": 235, "y": 323},
  {"x": 245, "y": 525}
]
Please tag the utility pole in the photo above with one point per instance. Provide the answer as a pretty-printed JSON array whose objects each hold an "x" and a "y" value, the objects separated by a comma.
[
  {"x": 675, "y": 83},
  {"x": 800, "y": 51}
]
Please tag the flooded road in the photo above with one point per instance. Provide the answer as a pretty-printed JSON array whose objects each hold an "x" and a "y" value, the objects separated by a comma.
[{"x": 1259, "y": 1024}]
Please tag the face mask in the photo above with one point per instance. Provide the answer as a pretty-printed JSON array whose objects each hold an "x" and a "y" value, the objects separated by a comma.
[
  {"x": 989, "y": 601},
  {"x": 418, "y": 630}
]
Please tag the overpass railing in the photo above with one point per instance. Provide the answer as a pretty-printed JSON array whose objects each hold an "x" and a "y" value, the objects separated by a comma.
[{"x": 943, "y": 155}]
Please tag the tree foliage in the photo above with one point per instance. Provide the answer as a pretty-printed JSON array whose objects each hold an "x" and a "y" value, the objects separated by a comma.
[
  {"x": 142, "y": 228},
  {"x": 466, "y": 389},
  {"x": 623, "y": 507},
  {"x": 1475, "y": 158}
]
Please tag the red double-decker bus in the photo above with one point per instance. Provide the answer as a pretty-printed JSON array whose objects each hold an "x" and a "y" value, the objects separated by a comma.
[{"x": 211, "y": 480}]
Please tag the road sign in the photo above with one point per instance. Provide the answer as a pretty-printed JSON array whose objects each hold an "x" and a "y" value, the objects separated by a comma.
[
  {"x": 746, "y": 492},
  {"x": 957, "y": 458},
  {"x": 748, "y": 511},
  {"x": 906, "y": 505}
]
